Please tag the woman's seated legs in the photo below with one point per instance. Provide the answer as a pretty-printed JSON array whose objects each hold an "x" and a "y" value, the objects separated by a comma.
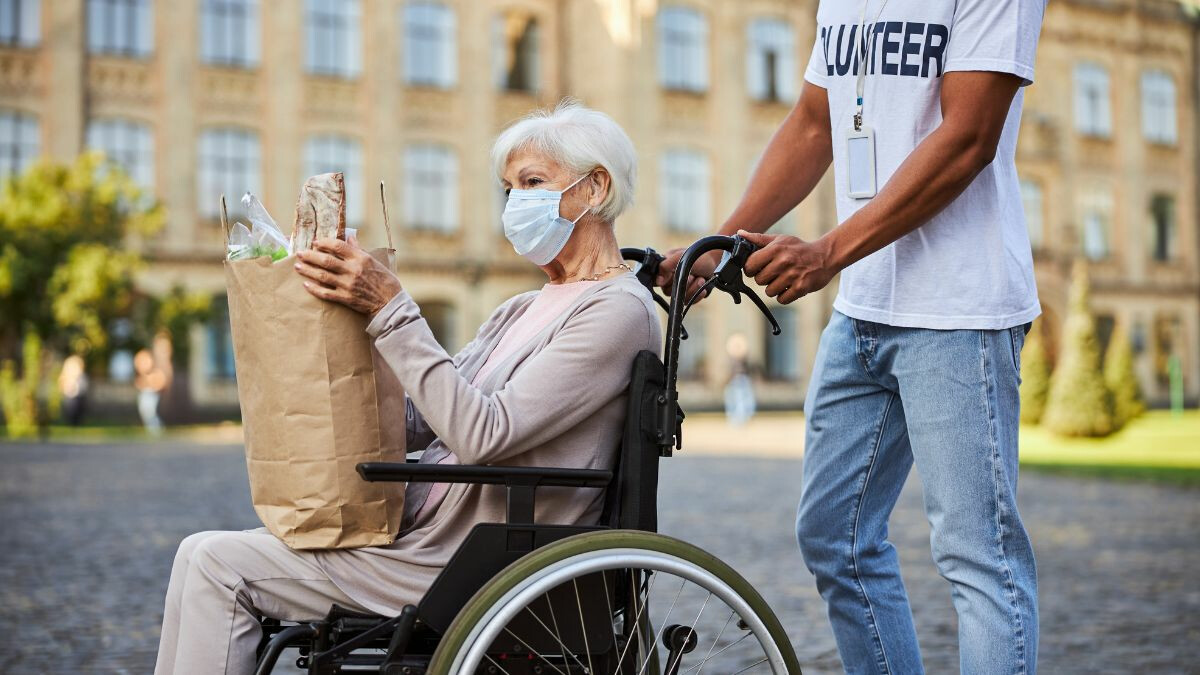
[{"x": 221, "y": 584}]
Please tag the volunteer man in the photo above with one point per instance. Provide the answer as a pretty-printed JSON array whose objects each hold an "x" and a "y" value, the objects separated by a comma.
[{"x": 917, "y": 104}]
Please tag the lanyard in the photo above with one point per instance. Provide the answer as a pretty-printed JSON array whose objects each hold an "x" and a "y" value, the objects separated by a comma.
[{"x": 862, "y": 59}]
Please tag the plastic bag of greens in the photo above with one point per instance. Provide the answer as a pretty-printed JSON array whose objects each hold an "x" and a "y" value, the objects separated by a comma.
[{"x": 261, "y": 239}]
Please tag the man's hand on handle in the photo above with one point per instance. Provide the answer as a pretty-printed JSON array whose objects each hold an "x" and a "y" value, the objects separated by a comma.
[
  {"x": 702, "y": 269},
  {"x": 789, "y": 267}
]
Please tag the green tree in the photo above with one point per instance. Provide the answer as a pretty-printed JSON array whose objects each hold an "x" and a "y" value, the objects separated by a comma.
[
  {"x": 1035, "y": 377},
  {"x": 69, "y": 236},
  {"x": 1121, "y": 380},
  {"x": 1079, "y": 403}
]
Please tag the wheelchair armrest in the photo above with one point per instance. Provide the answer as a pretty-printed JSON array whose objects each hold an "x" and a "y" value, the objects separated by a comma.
[{"x": 521, "y": 481}]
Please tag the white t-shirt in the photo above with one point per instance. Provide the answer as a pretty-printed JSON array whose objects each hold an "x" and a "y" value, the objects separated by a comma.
[{"x": 970, "y": 266}]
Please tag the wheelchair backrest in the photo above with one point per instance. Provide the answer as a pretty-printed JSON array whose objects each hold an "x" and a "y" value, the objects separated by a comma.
[{"x": 631, "y": 502}]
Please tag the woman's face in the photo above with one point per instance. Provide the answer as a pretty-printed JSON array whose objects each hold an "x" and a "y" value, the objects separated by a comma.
[{"x": 527, "y": 170}]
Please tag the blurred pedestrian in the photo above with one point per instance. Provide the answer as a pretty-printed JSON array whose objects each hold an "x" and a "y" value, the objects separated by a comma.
[
  {"x": 740, "y": 404},
  {"x": 150, "y": 381},
  {"x": 73, "y": 384}
]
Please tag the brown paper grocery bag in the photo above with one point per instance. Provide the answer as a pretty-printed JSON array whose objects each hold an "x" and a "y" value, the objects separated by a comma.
[{"x": 314, "y": 405}]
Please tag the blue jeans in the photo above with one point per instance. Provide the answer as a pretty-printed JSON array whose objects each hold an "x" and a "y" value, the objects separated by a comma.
[{"x": 881, "y": 399}]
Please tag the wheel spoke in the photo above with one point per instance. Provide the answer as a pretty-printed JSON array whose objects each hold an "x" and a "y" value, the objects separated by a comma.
[
  {"x": 724, "y": 649},
  {"x": 756, "y": 663},
  {"x": 663, "y": 629},
  {"x": 583, "y": 625},
  {"x": 531, "y": 649},
  {"x": 717, "y": 639},
  {"x": 692, "y": 628},
  {"x": 553, "y": 633},
  {"x": 637, "y": 620},
  {"x": 489, "y": 658}
]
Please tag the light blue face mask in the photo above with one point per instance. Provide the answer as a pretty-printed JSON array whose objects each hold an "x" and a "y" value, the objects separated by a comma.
[{"x": 532, "y": 223}]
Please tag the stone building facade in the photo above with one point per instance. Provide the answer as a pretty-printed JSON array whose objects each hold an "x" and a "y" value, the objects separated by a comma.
[{"x": 203, "y": 97}]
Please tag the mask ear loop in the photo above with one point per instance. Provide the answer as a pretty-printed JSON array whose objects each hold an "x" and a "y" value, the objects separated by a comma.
[{"x": 577, "y": 182}]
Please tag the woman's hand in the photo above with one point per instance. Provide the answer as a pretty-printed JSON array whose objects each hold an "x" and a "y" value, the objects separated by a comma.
[{"x": 341, "y": 272}]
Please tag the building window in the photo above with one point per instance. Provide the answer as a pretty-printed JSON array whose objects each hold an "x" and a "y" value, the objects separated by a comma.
[
  {"x": 682, "y": 49},
  {"x": 229, "y": 164},
  {"x": 330, "y": 154},
  {"x": 771, "y": 60},
  {"x": 19, "y": 146},
  {"x": 334, "y": 35},
  {"x": 1158, "y": 107},
  {"x": 1035, "y": 209},
  {"x": 686, "y": 198},
  {"x": 128, "y": 144},
  {"x": 219, "y": 352},
  {"x": 1162, "y": 227},
  {"x": 121, "y": 27},
  {"x": 439, "y": 316},
  {"x": 430, "y": 46},
  {"x": 431, "y": 187},
  {"x": 20, "y": 23},
  {"x": 229, "y": 33},
  {"x": 693, "y": 352},
  {"x": 1096, "y": 222},
  {"x": 517, "y": 62},
  {"x": 1093, "y": 109},
  {"x": 780, "y": 350}
]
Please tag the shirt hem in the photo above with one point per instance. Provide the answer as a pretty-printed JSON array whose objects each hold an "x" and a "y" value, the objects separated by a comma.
[{"x": 935, "y": 321}]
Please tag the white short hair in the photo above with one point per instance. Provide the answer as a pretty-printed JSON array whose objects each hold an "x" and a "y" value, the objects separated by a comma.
[{"x": 580, "y": 139}]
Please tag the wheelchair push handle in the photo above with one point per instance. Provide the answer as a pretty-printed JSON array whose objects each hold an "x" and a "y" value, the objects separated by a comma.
[{"x": 729, "y": 278}]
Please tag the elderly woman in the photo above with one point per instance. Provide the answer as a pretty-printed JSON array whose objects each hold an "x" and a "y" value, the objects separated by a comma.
[{"x": 542, "y": 384}]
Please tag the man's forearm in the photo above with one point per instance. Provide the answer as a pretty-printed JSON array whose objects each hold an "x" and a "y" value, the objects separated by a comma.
[
  {"x": 795, "y": 159},
  {"x": 936, "y": 172}
]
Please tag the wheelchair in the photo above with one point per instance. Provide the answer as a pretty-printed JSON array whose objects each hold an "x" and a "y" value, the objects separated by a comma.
[{"x": 616, "y": 598}]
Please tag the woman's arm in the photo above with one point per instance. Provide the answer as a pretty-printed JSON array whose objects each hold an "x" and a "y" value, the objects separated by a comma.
[
  {"x": 584, "y": 367},
  {"x": 419, "y": 435}
]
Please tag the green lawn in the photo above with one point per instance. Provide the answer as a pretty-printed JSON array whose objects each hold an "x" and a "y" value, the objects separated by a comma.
[{"x": 1157, "y": 445}]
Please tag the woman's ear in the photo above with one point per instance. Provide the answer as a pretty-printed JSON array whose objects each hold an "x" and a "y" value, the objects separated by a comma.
[{"x": 600, "y": 181}]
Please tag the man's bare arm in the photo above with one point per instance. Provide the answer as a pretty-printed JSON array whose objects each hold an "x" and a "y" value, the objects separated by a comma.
[
  {"x": 795, "y": 159},
  {"x": 975, "y": 106}
]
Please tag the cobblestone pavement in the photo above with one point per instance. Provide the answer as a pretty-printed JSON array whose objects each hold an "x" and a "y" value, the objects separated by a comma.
[{"x": 87, "y": 534}]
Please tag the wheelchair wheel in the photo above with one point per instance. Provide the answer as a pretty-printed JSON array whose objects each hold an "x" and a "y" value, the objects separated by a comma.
[{"x": 552, "y": 611}]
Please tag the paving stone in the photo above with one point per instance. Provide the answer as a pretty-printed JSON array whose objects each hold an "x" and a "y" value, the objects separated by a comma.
[{"x": 87, "y": 535}]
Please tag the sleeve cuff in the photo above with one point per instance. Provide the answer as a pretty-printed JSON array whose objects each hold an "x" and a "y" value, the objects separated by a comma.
[
  {"x": 1021, "y": 70},
  {"x": 398, "y": 311}
]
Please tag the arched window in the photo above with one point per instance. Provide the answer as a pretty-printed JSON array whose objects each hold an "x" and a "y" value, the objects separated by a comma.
[
  {"x": 19, "y": 141},
  {"x": 430, "y": 45},
  {"x": 1158, "y": 107},
  {"x": 229, "y": 32},
  {"x": 128, "y": 144},
  {"x": 686, "y": 199},
  {"x": 331, "y": 153},
  {"x": 431, "y": 187},
  {"x": 120, "y": 27},
  {"x": 1093, "y": 106},
  {"x": 333, "y": 31},
  {"x": 771, "y": 60},
  {"x": 230, "y": 163},
  {"x": 517, "y": 52},
  {"x": 682, "y": 49},
  {"x": 20, "y": 23}
]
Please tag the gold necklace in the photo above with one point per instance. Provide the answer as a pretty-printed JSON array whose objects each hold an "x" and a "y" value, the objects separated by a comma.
[{"x": 606, "y": 270}]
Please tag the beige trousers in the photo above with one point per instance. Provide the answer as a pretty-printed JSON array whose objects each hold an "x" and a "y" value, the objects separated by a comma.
[{"x": 221, "y": 584}]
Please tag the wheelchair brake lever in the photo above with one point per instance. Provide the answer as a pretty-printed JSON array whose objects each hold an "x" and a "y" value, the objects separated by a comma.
[{"x": 730, "y": 277}]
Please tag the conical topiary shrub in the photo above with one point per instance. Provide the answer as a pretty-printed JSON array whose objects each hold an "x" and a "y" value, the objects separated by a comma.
[
  {"x": 1121, "y": 381},
  {"x": 1035, "y": 377},
  {"x": 1079, "y": 403}
]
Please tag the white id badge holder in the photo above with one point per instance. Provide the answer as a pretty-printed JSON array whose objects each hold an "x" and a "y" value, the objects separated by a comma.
[{"x": 860, "y": 151}]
